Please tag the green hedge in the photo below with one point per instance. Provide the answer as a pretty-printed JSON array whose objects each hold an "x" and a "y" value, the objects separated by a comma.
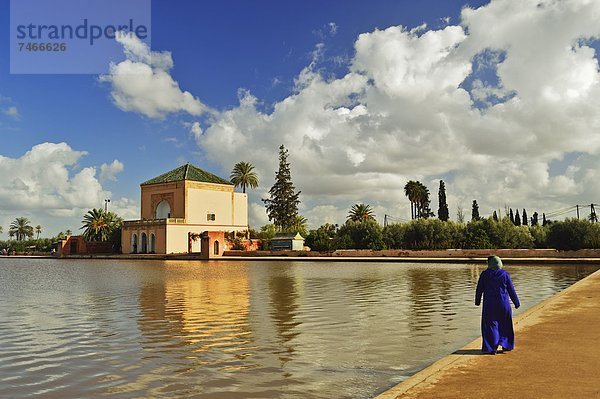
[{"x": 432, "y": 234}]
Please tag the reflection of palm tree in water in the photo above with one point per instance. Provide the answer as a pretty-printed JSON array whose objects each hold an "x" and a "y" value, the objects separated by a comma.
[
  {"x": 419, "y": 291},
  {"x": 284, "y": 296}
]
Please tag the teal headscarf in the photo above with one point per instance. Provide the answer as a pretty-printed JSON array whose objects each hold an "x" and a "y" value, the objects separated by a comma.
[{"x": 494, "y": 263}]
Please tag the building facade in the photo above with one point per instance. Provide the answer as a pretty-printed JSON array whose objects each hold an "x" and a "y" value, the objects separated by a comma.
[{"x": 184, "y": 210}]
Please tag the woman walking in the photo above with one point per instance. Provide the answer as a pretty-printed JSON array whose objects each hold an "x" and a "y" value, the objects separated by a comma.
[{"x": 496, "y": 319}]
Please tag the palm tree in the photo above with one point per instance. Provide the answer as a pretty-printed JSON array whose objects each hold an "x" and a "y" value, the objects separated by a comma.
[
  {"x": 21, "y": 229},
  {"x": 299, "y": 225},
  {"x": 422, "y": 201},
  {"x": 99, "y": 224},
  {"x": 360, "y": 212},
  {"x": 38, "y": 231},
  {"x": 68, "y": 232},
  {"x": 411, "y": 190},
  {"x": 243, "y": 175}
]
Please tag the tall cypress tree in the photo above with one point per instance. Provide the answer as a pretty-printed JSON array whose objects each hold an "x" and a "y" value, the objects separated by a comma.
[
  {"x": 544, "y": 221},
  {"x": 443, "y": 213},
  {"x": 475, "y": 211},
  {"x": 517, "y": 219},
  {"x": 495, "y": 216},
  {"x": 512, "y": 216},
  {"x": 534, "y": 219},
  {"x": 282, "y": 207},
  {"x": 524, "y": 217}
]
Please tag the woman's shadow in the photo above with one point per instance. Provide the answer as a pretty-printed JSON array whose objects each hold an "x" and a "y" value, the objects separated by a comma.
[
  {"x": 472, "y": 352},
  {"x": 475, "y": 352}
]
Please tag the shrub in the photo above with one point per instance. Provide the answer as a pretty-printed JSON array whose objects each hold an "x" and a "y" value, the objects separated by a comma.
[
  {"x": 322, "y": 239},
  {"x": 475, "y": 236},
  {"x": 393, "y": 235},
  {"x": 238, "y": 244},
  {"x": 574, "y": 234},
  {"x": 364, "y": 234},
  {"x": 540, "y": 236},
  {"x": 504, "y": 234},
  {"x": 431, "y": 234}
]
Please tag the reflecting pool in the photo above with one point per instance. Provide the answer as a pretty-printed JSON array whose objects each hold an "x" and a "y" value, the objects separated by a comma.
[{"x": 137, "y": 329}]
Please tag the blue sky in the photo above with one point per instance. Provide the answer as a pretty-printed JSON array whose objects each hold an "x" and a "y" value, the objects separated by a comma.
[{"x": 262, "y": 47}]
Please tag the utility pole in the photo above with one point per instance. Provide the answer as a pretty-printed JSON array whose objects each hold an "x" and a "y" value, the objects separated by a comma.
[
  {"x": 384, "y": 220},
  {"x": 577, "y": 211}
]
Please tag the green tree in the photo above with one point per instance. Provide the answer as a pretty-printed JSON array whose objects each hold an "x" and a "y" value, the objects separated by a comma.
[
  {"x": 21, "y": 229},
  {"x": 38, "y": 231},
  {"x": 475, "y": 236},
  {"x": 423, "y": 202},
  {"x": 517, "y": 218},
  {"x": 360, "y": 212},
  {"x": 393, "y": 235},
  {"x": 431, "y": 234},
  {"x": 243, "y": 176},
  {"x": 540, "y": 235},
  {"x": 99, "y": 225},
  {"x": 68, "y": 232},
  {"x": 504, "y": 234},
  {"x": 411, "y": 190},
  {"x": 282, "y": 206},
  {"x": 475, "y": 211},
  {"x": 366, "y": 234},
  {"x": 1, "y": 230},
  {"x": 495, "y": 216},
  {"x": 574, "y": 234},
  {"x": 534, "y": 219},
  {"x": 524, "y": 221},
  {"x": 323, "y": 238},
  {"x": 443, "y": 213},
  {"x": 299, "y": 225},
  {"x": 511, "y": 216}
]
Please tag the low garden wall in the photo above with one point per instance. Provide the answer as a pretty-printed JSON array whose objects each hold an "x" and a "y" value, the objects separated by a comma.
[{"x": 449, "y": 253}]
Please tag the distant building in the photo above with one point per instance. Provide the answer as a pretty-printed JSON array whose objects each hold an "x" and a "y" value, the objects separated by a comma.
[
  {"x": 185, "y": 210},
  {"x": 287, "y": 242}
]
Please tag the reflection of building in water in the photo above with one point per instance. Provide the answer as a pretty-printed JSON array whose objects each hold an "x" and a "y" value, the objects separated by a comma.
[
  {"x": 182, "y": 202},
  {"x": 475, "y": 271},
  {"x": 204, "y": 315}
]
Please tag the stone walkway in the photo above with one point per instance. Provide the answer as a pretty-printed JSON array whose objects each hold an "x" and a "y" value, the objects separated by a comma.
[{"x": 557, "y": 355}]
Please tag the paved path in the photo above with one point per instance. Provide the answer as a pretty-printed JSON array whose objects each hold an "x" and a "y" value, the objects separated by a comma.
[{"x": 557, "y": 355}]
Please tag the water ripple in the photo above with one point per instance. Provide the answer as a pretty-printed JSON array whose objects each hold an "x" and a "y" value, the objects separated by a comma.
[{"x": 218, "y": 330}]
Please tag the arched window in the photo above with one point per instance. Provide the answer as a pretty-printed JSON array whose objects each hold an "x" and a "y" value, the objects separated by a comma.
[
  {"x": 216, "y": 245},
  {"x": 163, "y": 210},
  {"x": 152, "y": 243},
  {"x": 144, "y": 243},
  {"x": 134, "y": 244}
]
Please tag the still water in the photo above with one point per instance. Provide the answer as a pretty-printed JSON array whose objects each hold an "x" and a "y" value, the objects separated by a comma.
[{"x": 167, "y": 329}]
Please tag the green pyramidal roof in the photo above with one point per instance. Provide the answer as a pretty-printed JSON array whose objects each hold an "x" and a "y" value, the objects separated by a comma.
[{"x": 187, "y": 172}]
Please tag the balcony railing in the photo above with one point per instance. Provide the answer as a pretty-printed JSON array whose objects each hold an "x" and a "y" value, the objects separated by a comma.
[{"x": 146, "y": 222}]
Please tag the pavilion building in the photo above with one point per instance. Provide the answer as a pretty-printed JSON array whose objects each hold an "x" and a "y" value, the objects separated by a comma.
[{"x": 185, "y": 210}]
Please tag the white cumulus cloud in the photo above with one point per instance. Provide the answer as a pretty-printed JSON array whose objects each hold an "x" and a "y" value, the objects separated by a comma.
[
  {"x": 142, "y": 83},
  {"x": 46, "y": 184},
  {"x": 406, "y": 109},
  {"x": 110, "y": 171},
  {"x": 402, "y": 112}
]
